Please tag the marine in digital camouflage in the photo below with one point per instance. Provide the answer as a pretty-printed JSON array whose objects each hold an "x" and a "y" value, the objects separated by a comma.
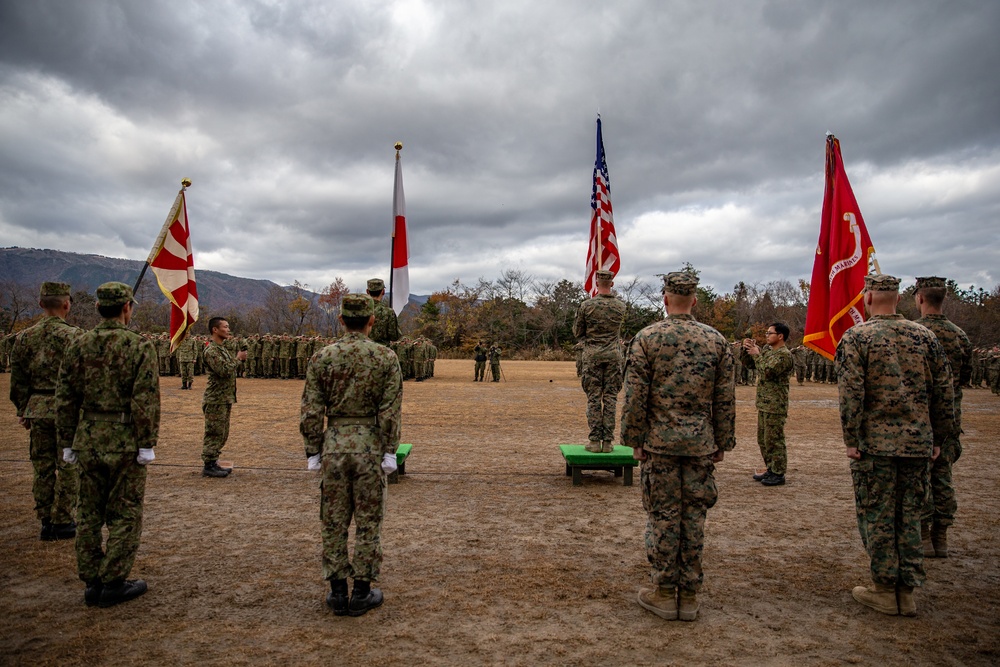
[
  {"x": 598, "y": 326},
  {"x": 357, "y": 386},
  {"x": 107, "y": 408}
]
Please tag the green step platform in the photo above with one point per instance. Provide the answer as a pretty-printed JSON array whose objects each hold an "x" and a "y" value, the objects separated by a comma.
[
  {"x": 578, "y": 459},
  {"x": 402, "y": 452}
]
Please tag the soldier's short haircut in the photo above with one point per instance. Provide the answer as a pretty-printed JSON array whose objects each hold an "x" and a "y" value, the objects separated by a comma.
[
  {"x": 356, "y": 323},
  {"x": 52, "y": 302},
  {"x": 109, "y": 312},
  {"x": 933, "y": 295},
  {"x": 782, "y": 328},
  {"x": 213, "y": 323}
]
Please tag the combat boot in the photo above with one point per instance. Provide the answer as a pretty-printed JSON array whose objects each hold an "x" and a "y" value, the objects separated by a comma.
[
  {"x": 594, "y": 446},
  {"x": 336, "y": 599},
  {"x": 92, "y": 593},
  {"x": 661, "y": 600},
  {"x": 363, "y": 598},
  {"x": 939, "y": 540},
  {"x": 113, "y": 594},
  {"x": 907, "y": 603},
  {"x": 688, "y": 608},
  {"x": 925, "y": 539},
  {"x": 212, "y": 469},
  {"x": 607, "y": 446},
  {"x": 46, "y": 535},
  {"x": 64, "y": 531},
  {"x": 877, "y": 596}
]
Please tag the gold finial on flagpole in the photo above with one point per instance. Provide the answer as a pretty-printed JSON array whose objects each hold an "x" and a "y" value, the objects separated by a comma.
[
  {"x": 185, "y": 182},
  {"x": 399, "y": 145}
]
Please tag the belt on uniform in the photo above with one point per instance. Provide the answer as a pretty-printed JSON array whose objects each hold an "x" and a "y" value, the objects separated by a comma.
[
  {"x": 44, "y": 392},
  {"x": 116, "y": 417},
  {"x": 352, "y": 421}
]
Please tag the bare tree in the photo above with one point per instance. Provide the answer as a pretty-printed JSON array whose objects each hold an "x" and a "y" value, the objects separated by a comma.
[{"x": 17, "y": 302}]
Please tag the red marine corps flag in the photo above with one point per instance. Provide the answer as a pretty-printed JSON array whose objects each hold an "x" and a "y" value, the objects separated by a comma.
[
  {"x": 602, "y": 252},
  {"x": 842, "y": 257},
  {"x": 173, "y": 266},
  {"x": 399, "y": 279}
]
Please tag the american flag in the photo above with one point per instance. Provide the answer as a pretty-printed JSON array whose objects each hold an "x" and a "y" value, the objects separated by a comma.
[
  {"x": 602, "y": 252},
  {"x": 173, "y": 265}
]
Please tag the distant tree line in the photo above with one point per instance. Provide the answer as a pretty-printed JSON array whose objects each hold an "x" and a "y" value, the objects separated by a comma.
[{"x": 527, "y": 317}]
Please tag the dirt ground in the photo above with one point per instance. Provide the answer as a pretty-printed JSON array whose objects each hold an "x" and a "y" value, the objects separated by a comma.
[{"x": 491, "y": 555}]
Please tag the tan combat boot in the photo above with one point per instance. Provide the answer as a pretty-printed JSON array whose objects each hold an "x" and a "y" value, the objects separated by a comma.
[
  {"x": 688, "y": 608},
  {"x": 607, "y": 446},
  {"x": 661, "y": 600},
  {"x": 907, "y": 603},
  {"x": 925, "y": 540},
  {"x": 878, "y": 597},
  {"x": 593, "y": 446},
  {"x": 939, "y": 541}
]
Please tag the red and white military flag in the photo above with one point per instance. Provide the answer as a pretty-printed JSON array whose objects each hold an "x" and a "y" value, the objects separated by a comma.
[
  {"x": 400, "y": 281},
  {"x": 602, "y": 251},
  {"x": 173, "y": 265},
  {"x": 843, "y": 254}
]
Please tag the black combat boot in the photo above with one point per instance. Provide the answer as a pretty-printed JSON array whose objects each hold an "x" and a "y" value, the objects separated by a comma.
[
  {"x": 46, "y": 535},
  {"x": 212, "y": 469},
  {"x": 64, "y": 531},
  {"x": 92, "y": 594},
  {"x": 336, "y": 599},
  {"x": 363, "y": 598},
  {"x": 123, "y": 591}
]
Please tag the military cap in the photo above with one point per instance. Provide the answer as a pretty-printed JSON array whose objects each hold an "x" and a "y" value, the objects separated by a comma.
[
  {"x": 376, "y": 285},
  {"x": 54, "y": 289},
  {"x": 881, "y": 282},
  {"x": 681, "y": 283},
  {"x": 357, "y": 305},
  {"x": 114, "y": 294},
  {"x": 930, "y": 281},
  {"x": 605, "y": 275}
]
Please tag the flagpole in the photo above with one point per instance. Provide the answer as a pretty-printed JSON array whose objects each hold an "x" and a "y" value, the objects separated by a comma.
[
  {"x": 392, "y": 244},
  {"x": 600, "y": 229},
  {"x": 185, "y": 184}
]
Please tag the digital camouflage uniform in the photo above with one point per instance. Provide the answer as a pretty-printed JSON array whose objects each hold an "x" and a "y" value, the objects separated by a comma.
[
  {"x": 386, "y": 329},
  {"x": 187, "y": 355},
  {"x": 107, "y": 409},
  {"x": 941, "y": 505},
  {"x": 800, "y": 355},
  {"x": 357, "y": 386},
  {"x": 598, "y": 326},
  {"x": 680, "y": 408},
  {"x": 217, "y": 403},
  {"x": 34, "y": 372},
  {"x": 774, "y": 368},
  {"x": 896, "y": 404}
]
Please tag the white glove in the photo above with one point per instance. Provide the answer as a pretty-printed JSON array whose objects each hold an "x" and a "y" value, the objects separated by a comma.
[
  {"x": 145, "y": 456},
  {"x": 69, "y": 456},
  {"x": 315, "y": 462},
  {"x": 389, "y": 463}
]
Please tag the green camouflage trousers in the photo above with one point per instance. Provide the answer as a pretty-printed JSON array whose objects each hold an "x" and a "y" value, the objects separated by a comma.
[
  {"x": 601, "y": 380},
  {"x": 771, "y": 440},
  {"x": 480, "y": 370},
  {"x": 187, "y": 371},
  {"x": 677, "y": 492},
  {"x": 353, "y": 486},
  {"x": 216, "y": 429},
  {"x": 940, "y": 504},
  {"x": 495, "y": 371},
  {"x": 56, "y": 482},
  {"x": 112, "y": 487},
  {"x": 889, "y": 494}
]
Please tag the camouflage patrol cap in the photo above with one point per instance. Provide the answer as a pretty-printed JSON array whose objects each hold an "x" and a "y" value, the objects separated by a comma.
[
  {"x": 680, "y": 283},
  {"x": 376, "y": 285},
  {"x": 605, "y": 275},
  {"x": 114, "y": 294},
  {"x": 357, "y": 305},
  {"x": 54, "y": 289},
  {"x": 881, "y": 282},
  {"x": 930, "y": 281}
]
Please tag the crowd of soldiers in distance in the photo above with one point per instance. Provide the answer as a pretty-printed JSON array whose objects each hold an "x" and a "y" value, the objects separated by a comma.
[{"x": 272, "y": 356}]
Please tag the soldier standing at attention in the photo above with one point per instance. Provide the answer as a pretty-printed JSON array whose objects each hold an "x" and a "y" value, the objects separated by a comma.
[
  {"x": 386, "y": 329},
  {"x": 34, "y": 371},
  {"x": 480, "y": 352},
  {"x": 220, "y": 394},
  {"x": 939, "y": 511},
  {"x": 598, "y": 326},
  {"x": 357, "y": 385},
  {"x": 108, "y": 420},
  {"x": 774, "y": 367},
  {"x": 187, "y": 354},
  {"x": 679, "y": 419},
  {"x": 897, "y": 410}
]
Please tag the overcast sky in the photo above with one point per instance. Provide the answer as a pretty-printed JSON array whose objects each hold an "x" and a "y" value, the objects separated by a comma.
[{"x": 284, "y": 115}]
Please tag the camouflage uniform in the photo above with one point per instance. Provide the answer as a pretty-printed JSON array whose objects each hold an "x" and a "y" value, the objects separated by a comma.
[
  {"x": 217, "y": 403},
  {"x": 34, "y": 371},
  {"x": 896, "y": 405},
  {"x": 578, "y": 353},
  {"x": 598, "y": 326},
  {"x": 285, "y": 345},
  {"x": 107, "y": 409},
  {"x": 800, "y": 356},
  {"x": 495, "y": 352},
  {"x": 480, "y": 371},
  {"x": 357, "y": 385},
  {"x": 775, "y": 368},
  {"x": 680, "y": 408},
  {"x": 187, "y": 354},
  {"x": 941, "y": 505}
]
